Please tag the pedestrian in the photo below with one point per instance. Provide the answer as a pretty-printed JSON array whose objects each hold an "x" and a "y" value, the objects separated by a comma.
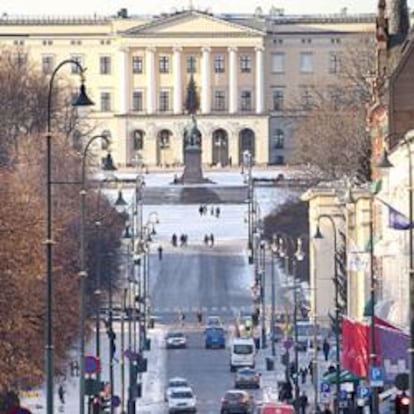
[
  {"x": 174, "y": 240},
  {"x": 326, "y": 348},
  {"x": 205, "y": 210},
  {"x": 200, "y": 210},
  {"x": 182, "y": 240},
  {"x": 303, "y": 402},
  {"x": 212, "y": 211},
  {"x": 182, "y": 318},
  {"x": 199, "y": 317},
  {"x": 206, "y": 239},
  {"x": 303, "y": 374},
  {"x": 217, "y": 212},
  {"x": 310, "y": 369},
  {"x": 211, "y": 240},
  {"x": 230, "y": 161},
  {"x": 159, "y": 252},
  {"x": 74, "y": 368},
  {"x": 61, "y": 394}
]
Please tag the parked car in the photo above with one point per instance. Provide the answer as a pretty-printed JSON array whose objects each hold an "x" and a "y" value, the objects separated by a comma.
[
  {"x": 247, "y": 378},
  {"x": 176, "y": 340},
  {"x": 176, "y": 382},
  {"x": 182, "y": 400},
  {"x": 237, "y": 401}
]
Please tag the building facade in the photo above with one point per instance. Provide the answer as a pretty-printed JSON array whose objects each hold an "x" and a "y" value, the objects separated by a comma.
[{"x": 246, "y": 68}]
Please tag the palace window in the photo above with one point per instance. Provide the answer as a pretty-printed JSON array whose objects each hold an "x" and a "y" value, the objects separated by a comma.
[
  {"x": 306, "y": 62},
  {"x": 219, "y": 64},
  {"x": 278, "y": 62},
  {"x": 278, "y": 98},
  {"x": 105, "y": 101},
  {"x": 164, "y": 64},
  {"x": 105, "y": 65},
  {"x": 278, "y": 138},
  {"x": 246, "y": 101},
  {"x": 191, "y": 64},
  {"x": 48, "y": 63},
  {"x": 137, "y": 64},
  {"x": 75, "y": 68},
  {"x": 137, "y": 140},
  {"x": 334, "y": 63},
  {"x": 137, "y": 101},
  {"x": 245, "y": 63},
  {"x": 219, "y": 101},
  {"x": 164, "y": 101}
]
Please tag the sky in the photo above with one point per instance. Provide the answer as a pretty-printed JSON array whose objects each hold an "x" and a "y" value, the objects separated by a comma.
[{"x": 110, "y": 7}]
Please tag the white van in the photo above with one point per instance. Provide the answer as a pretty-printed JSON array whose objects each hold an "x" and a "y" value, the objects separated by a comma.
[{"x": 242, "y": 353}]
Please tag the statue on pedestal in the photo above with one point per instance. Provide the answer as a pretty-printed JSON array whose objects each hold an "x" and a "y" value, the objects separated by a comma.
[{"x": 192, "y": 135}]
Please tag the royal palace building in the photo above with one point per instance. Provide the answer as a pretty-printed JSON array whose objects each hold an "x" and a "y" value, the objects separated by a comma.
[{"x": 245, "y": 67}]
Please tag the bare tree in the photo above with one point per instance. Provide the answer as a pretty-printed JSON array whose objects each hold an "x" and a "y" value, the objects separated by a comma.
[{"x": 332, "y": 133}]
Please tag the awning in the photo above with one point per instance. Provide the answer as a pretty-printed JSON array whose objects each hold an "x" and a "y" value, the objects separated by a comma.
[{"x": 344, "y": 376}]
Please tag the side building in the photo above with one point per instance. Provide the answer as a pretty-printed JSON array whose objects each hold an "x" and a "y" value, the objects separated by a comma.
[{"x": 246, "y": 68}]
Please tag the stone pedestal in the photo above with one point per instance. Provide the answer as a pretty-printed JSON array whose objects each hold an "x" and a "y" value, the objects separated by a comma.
[{"x": 192, "y": 166}]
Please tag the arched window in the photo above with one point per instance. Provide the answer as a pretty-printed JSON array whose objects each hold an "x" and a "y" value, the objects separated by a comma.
[
  {"x": 164, "y": 139},
  {"x": 278, "y": 138},
  {"x": 137, "y": 140}
]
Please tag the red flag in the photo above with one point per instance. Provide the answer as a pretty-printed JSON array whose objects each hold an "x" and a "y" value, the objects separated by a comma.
[
  {"x": 382, "y": 322},
  {"x": 355, "y": 340}
]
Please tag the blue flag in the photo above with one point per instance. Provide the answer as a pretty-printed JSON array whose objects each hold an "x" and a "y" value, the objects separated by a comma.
[{"x": 397, "y": 220}]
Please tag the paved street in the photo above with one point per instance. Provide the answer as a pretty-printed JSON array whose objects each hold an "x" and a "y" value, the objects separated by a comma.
[{"x": 216, "y": 280}]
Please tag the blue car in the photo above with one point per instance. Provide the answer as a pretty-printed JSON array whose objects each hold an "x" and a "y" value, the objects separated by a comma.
[{"x": 214, "y": 337}]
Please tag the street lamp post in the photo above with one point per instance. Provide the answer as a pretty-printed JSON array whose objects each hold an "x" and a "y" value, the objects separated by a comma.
[
  {"x": 282, "y": 241},
  {"x": 247, "y": 165},
  {"x": 82, "y": 100},
  {"x": 273, "y": 250},
  {"x": 83, "y": 271},
  {"x": 262, "y": 273},
  {"x": 318, "y": 235},
  {"x": 385, "y": 164}
]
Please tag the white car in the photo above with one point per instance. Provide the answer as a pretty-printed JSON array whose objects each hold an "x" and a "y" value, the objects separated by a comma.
[
  {"x": 176, "y": 382},
  {"x": 176, "y": 340},
  {"x": 182, "y": 400}
]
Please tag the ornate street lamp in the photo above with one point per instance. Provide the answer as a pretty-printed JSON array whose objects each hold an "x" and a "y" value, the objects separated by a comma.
[{"x": 81, "y": 101}]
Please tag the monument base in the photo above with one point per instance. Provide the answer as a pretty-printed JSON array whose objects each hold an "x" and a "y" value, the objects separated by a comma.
[{"x": 192, "y": 168}]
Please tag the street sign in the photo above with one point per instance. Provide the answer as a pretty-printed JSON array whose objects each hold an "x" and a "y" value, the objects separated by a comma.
[
  {"x": 325, "y": 388},
  {"x": 362, "y": 392},
  {"x": 376, "y": 377},
  {"x": 92, "y": 365}
]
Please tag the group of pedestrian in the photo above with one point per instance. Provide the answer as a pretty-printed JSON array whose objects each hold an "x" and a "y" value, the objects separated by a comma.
[
  {"x": 214, "y": 211},
  {"x": 183, "y": 240},
  {"x": 209, "y": 240}
]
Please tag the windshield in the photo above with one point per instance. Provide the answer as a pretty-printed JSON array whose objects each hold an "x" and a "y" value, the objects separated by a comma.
[
  {"x": 243, "y": 349},
  {"x": 182, "y": 394},
  {"x": 178, "y": 384}
]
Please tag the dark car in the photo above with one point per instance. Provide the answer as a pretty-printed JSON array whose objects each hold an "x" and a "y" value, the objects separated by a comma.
[
  {"x": 237, "y": 401},
  {"x": 247, "y": 378}
]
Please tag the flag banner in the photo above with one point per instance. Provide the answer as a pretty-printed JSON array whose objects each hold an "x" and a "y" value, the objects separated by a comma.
[
  {"x": 396, "y": 219},
  {"x": 355, "y": 346}
]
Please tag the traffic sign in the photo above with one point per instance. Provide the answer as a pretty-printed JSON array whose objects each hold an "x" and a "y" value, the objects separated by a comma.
[
  {"x": 92, "y": 364},
  {"x": 115, "y": 401},
  {"x": 362, "y": 392},
  {"x": 376, "y": 377},
  {"x": 325, "y": 388}
]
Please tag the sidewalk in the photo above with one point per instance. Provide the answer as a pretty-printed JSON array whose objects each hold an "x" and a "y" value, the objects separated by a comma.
[{"x": 270, "y": 378}]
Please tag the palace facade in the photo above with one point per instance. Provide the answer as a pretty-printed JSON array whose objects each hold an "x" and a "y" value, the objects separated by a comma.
[{"x": 246, "y": 67}]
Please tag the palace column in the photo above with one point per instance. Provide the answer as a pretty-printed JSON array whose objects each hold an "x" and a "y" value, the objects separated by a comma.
[
  {"x": 233, "y": 74},
  {"x": 150, "y": 75},
  {"x": 259, "y": 80},
  {"x": 178, "y": 80},
  {"x": 123, "y": 87},
  {"x": 205, "y": 80}
]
